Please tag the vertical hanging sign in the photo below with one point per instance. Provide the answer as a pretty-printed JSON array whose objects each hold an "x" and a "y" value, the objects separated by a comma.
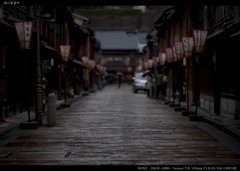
[
  {"x": 175, "y": 59},
  {"x": 24, "y": 33},
  {"x": 150, "y": 63},
  {"x": 65, "y": 52},
  {"x": 179, "y": 49},
  {"x": 162, "y": 59},
  {"x": 199, "y": 37},
  {"x": 188, "y": 44},
  {"x": 169, "y": 54}
]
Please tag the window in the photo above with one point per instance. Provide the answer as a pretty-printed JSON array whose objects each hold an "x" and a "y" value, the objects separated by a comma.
[
  {"x": 14, "y": 12},
  {"x": 222, "y": 13}
]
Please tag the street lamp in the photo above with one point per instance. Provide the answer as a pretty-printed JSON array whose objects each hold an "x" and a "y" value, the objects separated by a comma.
[
  {"x": 150, "y": 67},
  {"x": 155, "y": 64},
  {"x": 188, "y": 44},
  {"x": 85, "y": 60},
  {"x": 24, "y": 34},
  {"x": 162, "y": 61},
  {"x": 65, "y": 53},
  {"x": 175, "y": 59},
  {"x": 179, "y": 53},
  {"x": 169, "y": 54},
  {"x": 199, "y": 37}
]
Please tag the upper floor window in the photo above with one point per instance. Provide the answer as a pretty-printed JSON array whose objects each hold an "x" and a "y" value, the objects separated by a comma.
[
  {"x": 222, "y": 14},
  {"x": 14, "y": 12}
]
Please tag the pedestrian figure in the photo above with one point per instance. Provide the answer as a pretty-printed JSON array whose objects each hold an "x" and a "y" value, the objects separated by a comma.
[{"x": 119, "y": 80}]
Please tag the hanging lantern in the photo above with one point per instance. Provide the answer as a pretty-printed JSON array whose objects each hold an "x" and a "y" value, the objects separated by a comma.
[
  {"x": 85, "y": 61},
  {"x": 139, "y": 68},
  {"x": 89, "y": 63},
  {"x": 169, "y": 54},
  {"x": 188, "y": 44},
  {"x": 65, "y": 52},
  {"x": 129, "y": 69},
  {"x": 93, "y": 64},
  {"x": 24, "y": 33},
  {"x": 179, "y": 50},
  {"x": 163, "y": 58},
  {"x": 199, "y": 37},
  {"x": 150, "y": 63},
  {"x": 175, "y": 59}
]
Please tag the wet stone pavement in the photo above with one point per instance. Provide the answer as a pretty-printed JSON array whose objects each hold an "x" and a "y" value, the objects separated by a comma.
[{"x": 117, "y": 127}]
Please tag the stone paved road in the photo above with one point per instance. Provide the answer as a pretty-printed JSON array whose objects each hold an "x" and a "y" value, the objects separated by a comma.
[{"x": 117, "y": 127}]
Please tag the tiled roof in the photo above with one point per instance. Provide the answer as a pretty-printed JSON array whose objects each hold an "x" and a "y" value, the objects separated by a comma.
[
  {"x": 142, "y": 37},
  {"x": 118, "y": 39}
]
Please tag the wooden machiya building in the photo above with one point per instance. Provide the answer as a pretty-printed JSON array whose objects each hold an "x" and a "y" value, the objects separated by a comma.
[
  {"x": 217, "y": 90},
  {"x": 223, "y": 23},
  {"x": 18, "y": 67}
]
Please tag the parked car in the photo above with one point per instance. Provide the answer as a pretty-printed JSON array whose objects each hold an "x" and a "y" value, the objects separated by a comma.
[{"x": 139, "y": 82}]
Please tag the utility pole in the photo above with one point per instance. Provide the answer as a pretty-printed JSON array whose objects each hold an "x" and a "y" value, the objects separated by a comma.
[
  {"x": 39, "y": 91},
  {"x": 155, "y": 66}
]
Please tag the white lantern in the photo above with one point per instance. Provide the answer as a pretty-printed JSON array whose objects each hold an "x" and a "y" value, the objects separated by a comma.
[
  {"x": 169, "y": 54},
  {"x": 85, "y": 60},
  {"x": 199, "y": 37},
  {"x": 163, "y": 58},
  {"x": 65, "y": 52},
  {"x": 175, "y": 59},
  {"x": 24, "y": 33},
  {"x": 179, "y": 50},
  {"x": 188, "y": 44},
  {"x": 150, "y": 63}
]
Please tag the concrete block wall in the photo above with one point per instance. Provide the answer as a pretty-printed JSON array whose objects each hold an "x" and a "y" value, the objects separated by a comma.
[
  {"x": 207, "y": 102},
  {"x": 227, "y": 107}
]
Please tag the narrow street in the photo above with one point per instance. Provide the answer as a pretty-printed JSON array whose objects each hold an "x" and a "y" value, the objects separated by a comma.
[{"x": 117, "y": 127}]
